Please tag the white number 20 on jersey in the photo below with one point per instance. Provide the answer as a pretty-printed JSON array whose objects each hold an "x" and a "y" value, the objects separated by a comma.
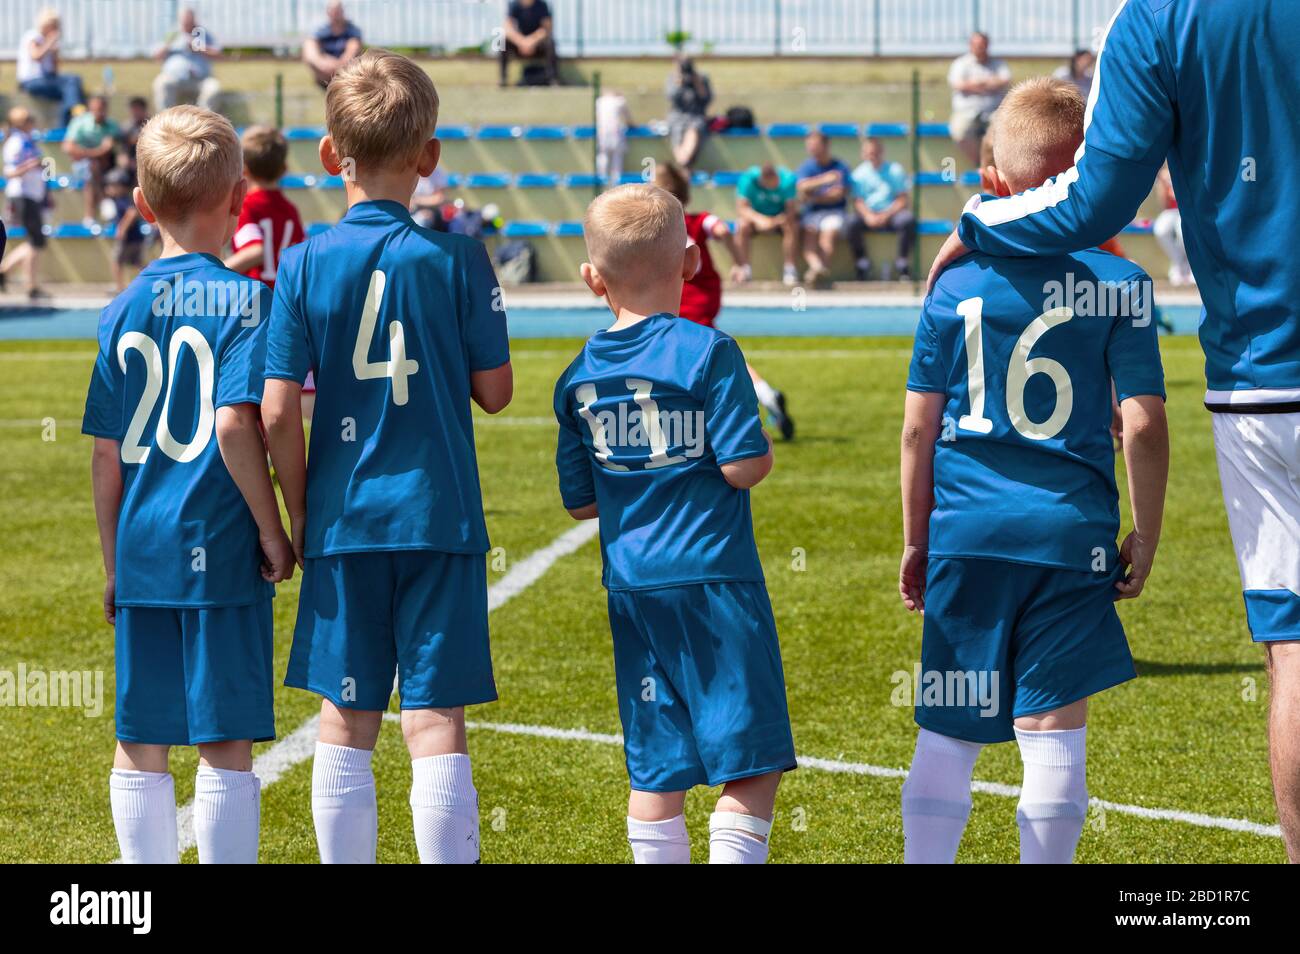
[
  {"x": 398, "y": 367},
  {"x": 134, "y": 452},
  {"x": 1019, "y": 371}
]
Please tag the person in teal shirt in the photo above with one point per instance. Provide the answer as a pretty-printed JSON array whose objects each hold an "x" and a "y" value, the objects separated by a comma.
[
  {"x": 89, "y": 143},
  {"x": 881, "y": 200},
  {"x": 766, "y": 202}
]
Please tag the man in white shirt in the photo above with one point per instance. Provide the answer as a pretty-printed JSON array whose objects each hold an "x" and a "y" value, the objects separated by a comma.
[
  {"x": 37, "y": 67},
  {"x": 24, "y": 174},
  {"x": 978, "y": 84},
  {"x": 186, "y": 56}
]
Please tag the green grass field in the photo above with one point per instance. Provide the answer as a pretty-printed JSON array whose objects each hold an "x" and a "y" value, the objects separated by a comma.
[{"x": 1188, "y": 735}]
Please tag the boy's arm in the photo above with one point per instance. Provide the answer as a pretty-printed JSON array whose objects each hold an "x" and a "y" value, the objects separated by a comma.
[
  {"x": 573, "y": 463},
  {"x": 244, "y": 259},
  {"x": 240, "y": 443},
  {"x": 922, "y": 421},
  {"x": 106, "y": 484},
  {"x": 492, "y": 389},
  {"x": 1146, "y": 456},
  {"x": 731, "y": 423},
  {"x": 747, "y": 473},
  {"x": 282, "y": 416}
]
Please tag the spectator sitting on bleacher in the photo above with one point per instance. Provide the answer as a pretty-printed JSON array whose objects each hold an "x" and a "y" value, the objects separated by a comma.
[
  {"x": 139, "y": 110},
  {"x": 978, "y": 84},
  {"x": 186, "y": 56},
  {"x": 823, "y": 187},
  {"x": 90, "y": 142},
  {"x": 335, "y": 44},
  {"x": 38, "y": 66},
  {"x": 689, "y": 95},
  {"x": 880, "y": 202},
  {"x": 528, "y": 34},
  {"x": 430, "y": 195},
  {"x": 25, "y": 189},
  {"x": 767, "y": 201},
  {"x": 1079, "y": 71},
  {"x": 612, "y": 121}
]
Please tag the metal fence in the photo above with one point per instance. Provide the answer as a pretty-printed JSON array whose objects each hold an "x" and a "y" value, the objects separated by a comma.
[{"x": 126, "y": 28}]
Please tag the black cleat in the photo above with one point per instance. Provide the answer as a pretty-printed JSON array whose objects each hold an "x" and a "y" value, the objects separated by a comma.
[{"x": 784, "y": 422}]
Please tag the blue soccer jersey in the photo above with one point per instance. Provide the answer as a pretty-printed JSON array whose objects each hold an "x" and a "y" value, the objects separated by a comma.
[
  {"x": 185, "y": 338},
  {"x": 393, "y": 318},
  {"x": 1211, "y": 86},
  {"x": 647, "y": 415},
  {"x": 1025, "y": 350}
]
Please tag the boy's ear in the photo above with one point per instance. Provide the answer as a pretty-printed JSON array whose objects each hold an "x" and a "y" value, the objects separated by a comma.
[
  {"x": 991, "y": 181},
  {"x": 329, "y": 159},
  {"x": 429, "y": 157},
  {"x": 237, "y": 195},
  {"x": 691, "y": 262},
  {"x": 142, "y": 206},
  {"x": 593, "y": 280}
]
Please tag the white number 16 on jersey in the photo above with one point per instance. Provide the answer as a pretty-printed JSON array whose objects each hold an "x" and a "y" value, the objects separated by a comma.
[{"x": 397, "y": 367}]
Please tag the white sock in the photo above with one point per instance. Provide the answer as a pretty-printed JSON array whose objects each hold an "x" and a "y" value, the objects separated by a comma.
[
  {"x": 1054, "y": 797},
  {"x": 738, "y": 839},
  {"x": 936, "y": 798},
  {"x": 444, "y": 807},
  {"x": 144, "y": 814},
  {"x": 766, "y": 393},
  {"x": 659, "y": 842},
  {"x": 227, "y": 814},
  {"x": 343, "y": 805}
]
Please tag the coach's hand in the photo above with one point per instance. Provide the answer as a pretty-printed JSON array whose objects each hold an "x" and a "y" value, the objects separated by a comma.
[
  {"x": 953, "y": 249},
  {"x": 911, "y": 578},
  {"x": 278, "y": 558},
  {"x": 110, "y": 599},
  {"x": 1136, "y": 554}
]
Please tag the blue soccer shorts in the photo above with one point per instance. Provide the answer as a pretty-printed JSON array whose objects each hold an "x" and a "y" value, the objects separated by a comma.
[
  {"x": 701, "y": 691},
  {"x": 188, "y": 675},
  {"x": 418, "y": 614},
  {"x": 1003, "y": 640}
]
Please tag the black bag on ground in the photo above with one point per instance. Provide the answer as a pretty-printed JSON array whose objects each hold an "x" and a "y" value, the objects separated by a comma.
[{"x": 740, "y": 117}]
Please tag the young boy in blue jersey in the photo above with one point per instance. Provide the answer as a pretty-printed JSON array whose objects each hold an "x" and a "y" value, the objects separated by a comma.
[
  {"x": 1010, "y": 509},
  {"x": 403, "y": 326},
  {"x": 660, "y": 438},
  {"x": 187, "y": 514}
]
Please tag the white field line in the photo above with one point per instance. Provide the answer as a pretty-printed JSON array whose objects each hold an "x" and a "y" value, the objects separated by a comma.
[
  {"x": 881, "y": 771},
  {"x": 299, "y": 745}
]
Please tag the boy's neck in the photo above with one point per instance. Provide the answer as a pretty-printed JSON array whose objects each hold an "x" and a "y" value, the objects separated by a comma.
[
  {"x": 258, "y": 185},
  {"x": 663, "y": 301},
  {"x": 201, "y": 235},
  {"x": 382, "y": 186}
]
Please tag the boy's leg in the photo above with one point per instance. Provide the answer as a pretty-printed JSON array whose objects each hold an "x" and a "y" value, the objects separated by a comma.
[
  {"x": 343, "y": 805},
  {"x": 143, "y": 798},
  {"x": 936, "y": 798},
  {"x": 440, "y": 625},
  {"x": 656, "y": 828},
  {"x": 227, "y": 804},
  {"x": 1054, "y": 796},
  {"x": 444, "y": 802},
  {"x": 742, "y": 820}
]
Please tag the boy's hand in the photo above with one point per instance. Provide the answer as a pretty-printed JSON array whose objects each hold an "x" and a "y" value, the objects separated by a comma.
[
  {"x": 278, "y": 557},
  {"x": 1136, "y": 554},
  {"x": 297, "y": 528},
  {"x": 911, "y": 578},
  {"x": 110, "y": 600}
]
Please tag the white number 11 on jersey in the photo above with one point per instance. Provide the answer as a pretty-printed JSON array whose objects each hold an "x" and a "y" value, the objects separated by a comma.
[{"x": 397, "y": 367}]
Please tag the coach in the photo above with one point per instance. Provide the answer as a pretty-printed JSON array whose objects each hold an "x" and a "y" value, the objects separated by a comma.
[{"x": 1213, "y": 87}]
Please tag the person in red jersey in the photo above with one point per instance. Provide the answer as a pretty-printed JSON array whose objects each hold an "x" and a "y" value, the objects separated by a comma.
[
  {"x": 702, "y": 295},
  {"x": 268, "y": 222}
]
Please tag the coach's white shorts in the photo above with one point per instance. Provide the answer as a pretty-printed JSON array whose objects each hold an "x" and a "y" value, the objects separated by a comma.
[{"x": 1259, "y": 468}]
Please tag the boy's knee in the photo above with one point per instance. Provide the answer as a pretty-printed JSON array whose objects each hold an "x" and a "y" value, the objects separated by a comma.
[
  {"x": 430, "y": 732},
  {"x": 233, "y": 756},
  {"x": 353, "y": 728}
]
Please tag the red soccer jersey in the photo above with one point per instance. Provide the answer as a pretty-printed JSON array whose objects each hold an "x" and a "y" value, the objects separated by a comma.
[
  {"x": 267, "y": 217},
  {"x": 702, "y": 295}
]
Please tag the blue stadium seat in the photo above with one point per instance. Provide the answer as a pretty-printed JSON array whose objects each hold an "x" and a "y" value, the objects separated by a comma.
[
  {"x": 487, "y": 180},
  {"x": 933, "y": 130},
  {"x": 630, "y": 178},
  {"x": 304, "y": 133},
  {"x": 499, "y": 132},
  {"x": 546, "y": 132},
  {"x": 294, "y": 181},
  {"x": 584, "y": 132},
  {"x": 843, "y": 130},
  {"x": 537, "y": 180},
  {"x": 743, "y": 132},
  {"x": 581, "y": 180},
  {"x": 642, "y": 132},
  {"x": 525, "y": 229},
  {"x": 787, "y": 131},
  {"x": 454, "y": 132},
  {"x": 934, "y": 227},
  {"x": 568, "y": 229},
  {"x": 887, "y": 130},
  {"x": 726, "y": 180},
  {"x": 931, "y": 178},
  {"x": 329, "y": 182}
]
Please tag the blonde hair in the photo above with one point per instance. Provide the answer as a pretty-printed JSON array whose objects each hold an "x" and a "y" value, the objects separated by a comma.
[
  {"x": 18, "y": 116},
  {"x": 1037, "y": 130},
  {"x": 46, "y": 17},
  {"x": 266, "y": 153},
  {"x": 381, "y": 109},
  {"x": 635, "y": 231},
  {"x": 188, "y": 159}
]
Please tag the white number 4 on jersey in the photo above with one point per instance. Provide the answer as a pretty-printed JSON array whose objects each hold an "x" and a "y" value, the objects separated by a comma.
[{"x": 398, "y": 367}]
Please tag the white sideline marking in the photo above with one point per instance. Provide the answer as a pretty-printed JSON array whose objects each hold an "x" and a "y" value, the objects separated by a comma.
[
  {"x": 299, "y": 745},
  {"x": 881, "y": 771}
]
